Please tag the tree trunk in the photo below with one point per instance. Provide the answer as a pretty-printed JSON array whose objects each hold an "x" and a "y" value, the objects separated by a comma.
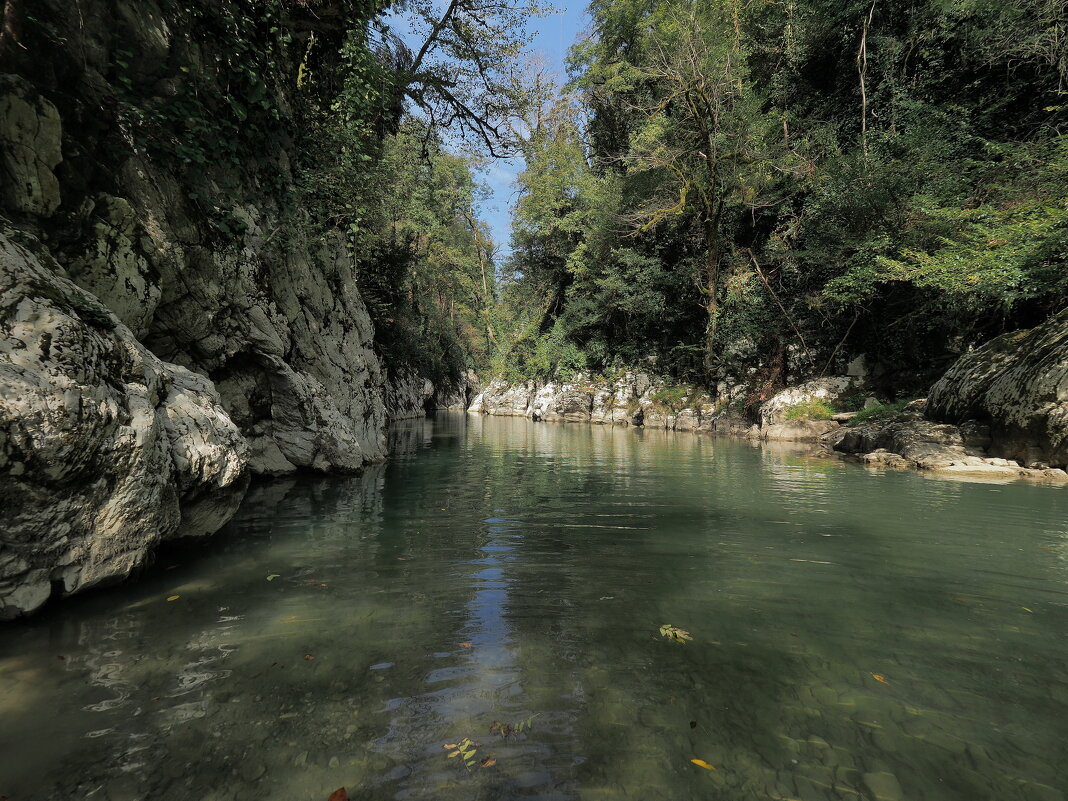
[{"x": 712, "y": 257}]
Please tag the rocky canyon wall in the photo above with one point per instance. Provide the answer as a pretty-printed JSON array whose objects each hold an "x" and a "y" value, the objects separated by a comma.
[{"x": 166, "y": 325}]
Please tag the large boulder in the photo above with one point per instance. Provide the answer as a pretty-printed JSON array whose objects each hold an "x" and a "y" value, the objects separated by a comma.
[
  {"x": 1017, "y": 384},
  {"x": 563, "y": 403},
  {"x": 105, "y": 450},
  {"x": 774, "y": 410},
  {"x": 502, "y": 399},
  {"x": 619, "y": 402}
]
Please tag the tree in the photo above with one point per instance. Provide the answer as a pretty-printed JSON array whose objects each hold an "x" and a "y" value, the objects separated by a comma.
[
  {"x": 464, "y": 76},
  {"x": 700, "y": 131}
]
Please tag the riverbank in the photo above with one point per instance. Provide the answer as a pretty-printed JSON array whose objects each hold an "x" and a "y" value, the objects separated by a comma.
[{"x": 1001, "y": 411}]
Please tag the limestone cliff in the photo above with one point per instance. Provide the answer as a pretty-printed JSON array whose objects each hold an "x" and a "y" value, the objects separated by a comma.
[{"x": 167, "y": 325}]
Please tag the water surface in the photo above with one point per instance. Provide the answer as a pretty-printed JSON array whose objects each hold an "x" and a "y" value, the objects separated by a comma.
[{"x": 856, "y": 635}]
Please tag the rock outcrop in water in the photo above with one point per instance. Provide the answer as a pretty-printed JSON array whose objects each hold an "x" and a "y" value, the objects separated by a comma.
[
  {"x": 105, "y": 450},
  {"x": 1017, "y": 386},
  {"x": 998, "y": 430},
  {"x": 634, "y": 398},
  {"x": 1002, "y": 409}
]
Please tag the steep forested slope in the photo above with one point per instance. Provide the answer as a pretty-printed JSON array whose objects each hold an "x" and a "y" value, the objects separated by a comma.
[{"x": 766, "y": 191}]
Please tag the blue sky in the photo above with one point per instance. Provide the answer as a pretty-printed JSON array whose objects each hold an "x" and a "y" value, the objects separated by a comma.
[{"x": 553, "y": 35}]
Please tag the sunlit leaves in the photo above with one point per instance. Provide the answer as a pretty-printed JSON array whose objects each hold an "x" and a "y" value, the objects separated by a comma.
[{"x": 467, "y": 749}]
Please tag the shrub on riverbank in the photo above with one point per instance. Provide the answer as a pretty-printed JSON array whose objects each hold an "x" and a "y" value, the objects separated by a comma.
[
  {"x": 880, "y": 411},
  {"x": 813, "y": 409}
]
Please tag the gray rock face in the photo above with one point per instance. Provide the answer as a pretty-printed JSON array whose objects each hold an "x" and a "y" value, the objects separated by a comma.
[
  {"x": 408, "y": 395},
  {"x": 104, "y": 449},
  {"x": 912, "y": 441},
  {"x": 30, "y": 148},
  {"x": 110, "y": 264},
  {"x": 1016, "y": 384},
  {"x": 636, "y": 399}
]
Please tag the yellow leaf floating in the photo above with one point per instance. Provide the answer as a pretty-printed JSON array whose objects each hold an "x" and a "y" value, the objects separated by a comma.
[
  {"x": 173, "y": 597},
  {"x": 702, "y": 764},
  {"x": 674, "y": 633}
]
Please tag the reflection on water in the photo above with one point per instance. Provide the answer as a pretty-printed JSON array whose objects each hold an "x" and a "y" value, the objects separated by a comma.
[{"x": 856, "y": 635}]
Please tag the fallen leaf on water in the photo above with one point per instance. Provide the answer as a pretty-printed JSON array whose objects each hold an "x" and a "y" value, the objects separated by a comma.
[
  {"x": 454, "y": 754},
  {"x": 880, "y": 678},
  {"x": 272, "y": 576},
  {"x": 675, "y": 633},
  {"x": 489, "y": 762},
  {"x": 449, "y": 746},
  {"x": 1032, "y": 611},
  {"x": 324, "y": 586},
  {"x": 702, "y": 764},
  {"x": 308, "y": 657},
  {"x": 173, "y": 597},
  {"x": 465, "y": 645},
  {"x": 340, "y": 794}
]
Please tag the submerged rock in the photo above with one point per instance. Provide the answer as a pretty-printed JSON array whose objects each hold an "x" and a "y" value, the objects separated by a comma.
[
  {"x": 799, "y": 430},
  {"x": 105, "y": 450}
]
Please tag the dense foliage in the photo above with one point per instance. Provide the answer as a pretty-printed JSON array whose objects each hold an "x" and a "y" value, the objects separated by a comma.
[{"x": 749, "y": 189}]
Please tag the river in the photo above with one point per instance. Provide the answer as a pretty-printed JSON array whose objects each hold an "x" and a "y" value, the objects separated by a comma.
[{"x": 855, "y": 635}]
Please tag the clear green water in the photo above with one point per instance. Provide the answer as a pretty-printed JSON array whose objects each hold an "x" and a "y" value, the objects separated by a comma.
[{"x": 556, "y": 552}]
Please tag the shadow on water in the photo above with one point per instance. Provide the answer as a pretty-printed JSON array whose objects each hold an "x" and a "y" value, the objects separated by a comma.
[{"x": 856, "y": 636}]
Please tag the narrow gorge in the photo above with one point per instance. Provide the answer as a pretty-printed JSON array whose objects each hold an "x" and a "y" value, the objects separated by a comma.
[{"x": 436, "y": 400}]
